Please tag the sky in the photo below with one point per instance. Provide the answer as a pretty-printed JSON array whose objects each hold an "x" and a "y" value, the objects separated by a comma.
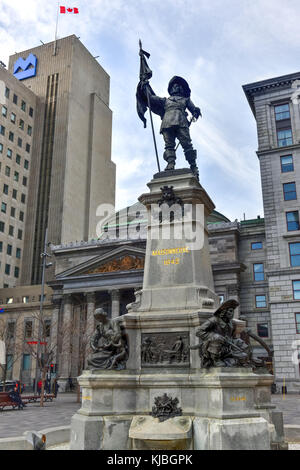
[{"x": 216, "y": 45}]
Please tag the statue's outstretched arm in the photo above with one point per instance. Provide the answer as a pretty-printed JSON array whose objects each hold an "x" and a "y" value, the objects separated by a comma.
[{"x": 194, "y": 110}]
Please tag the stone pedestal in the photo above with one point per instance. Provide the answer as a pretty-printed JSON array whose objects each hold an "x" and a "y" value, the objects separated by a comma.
[
  {"x": 218, "y": 405},
  {"x": 219, "y": 411},
  {"x": 177, "y": 274}
]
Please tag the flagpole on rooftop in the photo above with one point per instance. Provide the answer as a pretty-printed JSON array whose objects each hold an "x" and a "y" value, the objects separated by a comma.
[{"x": 56, "y": 27}]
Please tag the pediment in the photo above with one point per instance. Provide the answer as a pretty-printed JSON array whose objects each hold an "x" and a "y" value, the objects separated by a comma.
[{"x": 117, "y": 260}]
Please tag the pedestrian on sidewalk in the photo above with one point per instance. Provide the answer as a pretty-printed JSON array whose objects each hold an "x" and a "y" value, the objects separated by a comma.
[
  {"x": 56, "y": 387},
  {"x": 15, "y": 396},
  {"x": 39, "y": 387}
]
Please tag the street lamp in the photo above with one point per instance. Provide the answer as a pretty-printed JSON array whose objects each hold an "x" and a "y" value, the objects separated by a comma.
[{"x": 45, "y": 265}]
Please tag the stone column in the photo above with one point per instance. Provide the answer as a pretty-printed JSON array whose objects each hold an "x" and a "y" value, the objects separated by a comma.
[
  {"x": 65, "y": 359},
  {"x": 90, "y": 322},
  {"x": 55, "y": 329},
  {"x": 115, "y": 303}
]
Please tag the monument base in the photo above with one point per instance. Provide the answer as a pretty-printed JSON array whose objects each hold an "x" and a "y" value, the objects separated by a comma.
[{"x": 222, "y": 408}]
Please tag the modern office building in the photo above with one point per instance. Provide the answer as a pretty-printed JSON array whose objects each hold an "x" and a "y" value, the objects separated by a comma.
[
  {"x": 19, "y": 141},
  {"x": 71, "y": 169}
]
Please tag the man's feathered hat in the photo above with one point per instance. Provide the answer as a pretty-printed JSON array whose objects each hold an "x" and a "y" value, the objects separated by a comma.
[
  {"x": 182, "y": 82},
  {"x": 231, "y": 303}
]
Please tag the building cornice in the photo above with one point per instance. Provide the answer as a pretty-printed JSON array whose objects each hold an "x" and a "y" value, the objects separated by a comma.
[{"x": 262, "y": 86}]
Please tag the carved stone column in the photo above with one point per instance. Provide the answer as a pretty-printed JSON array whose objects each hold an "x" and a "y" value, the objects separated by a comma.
[
  {"x": 66, "y": 334},
  {"x": 115, "y": 303}
]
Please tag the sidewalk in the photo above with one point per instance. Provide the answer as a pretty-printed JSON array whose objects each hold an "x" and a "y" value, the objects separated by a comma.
[
  {"x": 33, "y": 417},
  {"x": 14, "y": 423}
]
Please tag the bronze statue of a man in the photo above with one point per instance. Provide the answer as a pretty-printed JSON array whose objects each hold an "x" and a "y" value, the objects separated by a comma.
[
  {"x": 219, "y": 345},
  {"x": 173, "y": 112},
  {"x": 175, "y": 123}
]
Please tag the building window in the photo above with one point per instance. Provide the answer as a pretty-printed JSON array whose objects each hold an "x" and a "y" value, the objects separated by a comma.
[
  {"x": 284, "y": 137},
  {"x": 292, "y": 220},
  {"x": 21, "y": 124},
  {"x": 18, "y": 253},
  {"x": 21, "y": 216},
  {"x": 287, "y": 163},
  {"x": 11, "y": 230},
  {"x": 9, "y": 300},
  {"x": 9, "y": 359},
  {"x": 16, "y": 176},
  {"x": 7, "y": 270},
  {"x": 3, "y": 207},
  {"x": 1, "y": 148},
  {"x": 11, "y": 136},
  {"x": 221, "y": 298},
  {"x": 27, "y": 148},
  {"x": 15, "y": 99},
  {"x": 258, "y": 272},
  {"x": 260, "y": 301},
  {"x": 9, "y": 153},
  {"x": 30, "y": 112},
  {"x": 29, "y": 130},
  {"x": 256, "y": 246},
  {"x": 23, "y": 198},
  {"x": 18, "y": 159},
  {"x": 47, "y": 328},
  {"x": 26, "y": 362},
  {"x": 13, "y": 117},
  {"x": 297, "y": 319},
  {"x": 17, "y": 272},
  {"x": 1, "y": 247},
  {"x": 7, "y": 92},
  {"x": 263, "y": 330},
  {"x": 7, "y": 171},
  {"x": 296, "y": 290},
  {"x": 2, "y": 226},
  {"x": 10, "y": 330},
  {"x": 9, "y": 250},
  {"x": 13, "y": 212},
  {"x": 282, "y": 112},
  {"x": 20, "y": 234},
  {"x": 26, "y": 164},
  {"x": 294, "y": 253},
  {"x": 19, "y": 142},
  {"x": 25, "y": 299},
  {"x": 28, "y": 329},
  {"x": 289, "y": 191},
  {"x": 2, "y": 130},
  {"x": 4, "y": 111},
  {"x": 24, "y": 181},
  {"x": 14, "y": 193},
  {"x": 23, "y": 105},
  {"x": 5, "y": 189}
]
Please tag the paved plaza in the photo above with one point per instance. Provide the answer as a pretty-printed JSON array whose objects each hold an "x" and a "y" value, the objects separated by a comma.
[{"x": 59, "y": 413}]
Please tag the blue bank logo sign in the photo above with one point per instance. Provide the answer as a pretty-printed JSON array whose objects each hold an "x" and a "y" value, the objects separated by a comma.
[{"x": 25, "y": 68}]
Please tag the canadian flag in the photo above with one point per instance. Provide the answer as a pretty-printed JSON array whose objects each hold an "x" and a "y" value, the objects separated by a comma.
[{"x": 68, "y": 10}]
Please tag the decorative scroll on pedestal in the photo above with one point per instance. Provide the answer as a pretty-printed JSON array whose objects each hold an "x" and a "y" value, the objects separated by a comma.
[
  {"x": 165, "y": 408},
  {"x": 121, "y": 264},
  {"x": 165, "y": 349}
]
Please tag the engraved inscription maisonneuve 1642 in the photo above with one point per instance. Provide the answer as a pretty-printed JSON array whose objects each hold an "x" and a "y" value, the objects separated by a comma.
[{"x": 165, "y": 349}]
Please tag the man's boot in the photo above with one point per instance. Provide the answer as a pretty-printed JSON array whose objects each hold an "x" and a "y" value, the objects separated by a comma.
[
  {"x": 191, "y": 157},
  {"x": 170, "y": 157}
]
